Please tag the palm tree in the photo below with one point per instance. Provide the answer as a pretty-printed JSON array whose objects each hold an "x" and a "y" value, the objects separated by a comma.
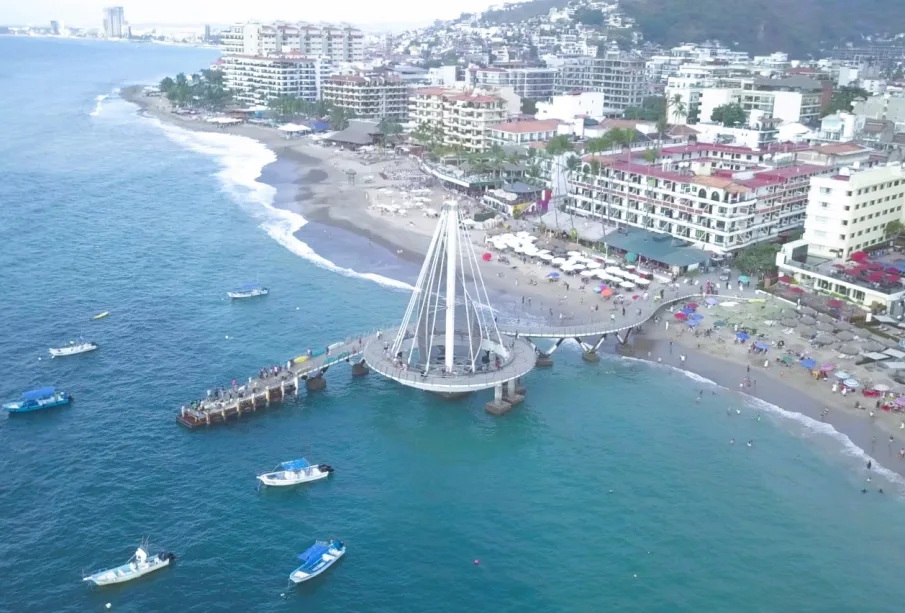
[
  {"x": 662, "y": 126},
  {"x": 677, "y": 108},
  {"x": 339, "y": 118}
]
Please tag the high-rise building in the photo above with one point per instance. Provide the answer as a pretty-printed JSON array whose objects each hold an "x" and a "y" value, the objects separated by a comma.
[
  {"x": 254, "y": 79},
  {"x": 207, "y": 33},
  {"x": 464, "y": 118},
  {"x": 55, "y": 27},
  {"x": 114, "y": 22},
  {"x": 341, "y": 43},
  {"x": 369, "y": 95},
  {"x": 621, "y": 77}
]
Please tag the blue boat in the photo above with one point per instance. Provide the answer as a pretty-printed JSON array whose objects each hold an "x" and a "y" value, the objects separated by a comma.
[
  {"x": 316, "y": 559},
  {"x": 249, "y": 290},
  {"x": 37, "y": 400}
]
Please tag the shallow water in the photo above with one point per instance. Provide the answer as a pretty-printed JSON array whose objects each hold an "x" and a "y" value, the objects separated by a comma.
[{"x": 609, "y": 489}]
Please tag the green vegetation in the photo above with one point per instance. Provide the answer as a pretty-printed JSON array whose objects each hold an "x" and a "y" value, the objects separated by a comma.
[
  {"x": 288, "y": 106},
  {"x": 559, "y": 145},
  {"x": 201, "y": 91},
  {"x": 522, "y": 11},
  {"x": 730, "y": 115},
  {"x": 894, "y": 229},
  {"x": 589, "y": 17},
  {"x": 651, "y": 155},
  {"x": 529, "y": 107},
  {"x": 843, "y": 99},
  {"x": 757, "y": 259},
  {"x": 390, "y": 128},
  {"x": 652, "y": 108},
  {"x": 339, "y": 118}
]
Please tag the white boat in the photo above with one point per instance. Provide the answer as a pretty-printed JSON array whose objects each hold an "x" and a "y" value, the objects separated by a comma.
[
  {"x": 295, "y": 472},
  {"x": 73, "y": 348},
  {"x": 316, "y": 559},
  {"x": 249, "y": 290},
  {"x": 140, "y": 564}
]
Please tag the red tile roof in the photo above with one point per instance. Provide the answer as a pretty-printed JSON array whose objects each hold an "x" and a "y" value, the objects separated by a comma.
[
  {"x": 430, "y": 91},
  {"x": 521, "y": 127},
  {"x": 840, "y": 148}
]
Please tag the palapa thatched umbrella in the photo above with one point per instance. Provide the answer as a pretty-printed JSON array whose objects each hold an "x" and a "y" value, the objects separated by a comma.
[
  {"x": 823, "y": 339},
  {"x": 825, "y": 327},
  {"x": 806, "y": 310},
  {"x": 845, "y": 336},
  {"x": 823, "y": 317},
  {"x": 850, "y": 349},
  {"x": 843, "y": 325},
  {"x": 806, "y": 331},
  {"x": 789, "y": 323},
  {"x": 789, "y": 313},
  {"x": 807, "y": 320},
  {"x": 869, "y": 346}
]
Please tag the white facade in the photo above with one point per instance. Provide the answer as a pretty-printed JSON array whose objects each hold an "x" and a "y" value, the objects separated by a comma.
[
  {"x": 569, "y": 106},
  {"x": 839, "y": 127},
  {"x": 336, "y": 43},
  {"x": 256, "y": 79},
  {"x": 464, "y": 118},
  {"x": 849, "y": 211},
  {"x": 369, "y": 96},
  {"x": 114, "y": 22}
]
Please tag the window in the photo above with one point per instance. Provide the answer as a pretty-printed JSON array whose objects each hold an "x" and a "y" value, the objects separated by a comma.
[
  {"x": 848, "y": 193},
  {"x": 842, "y": 237},
  {"x": 844, "y": 222}
]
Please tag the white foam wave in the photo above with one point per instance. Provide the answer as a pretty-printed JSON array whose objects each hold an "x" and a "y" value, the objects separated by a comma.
[
  {"x": 810, "y": 425},
  {"x": 242, "y": 160},
  {"x": 98, "y": 104}
]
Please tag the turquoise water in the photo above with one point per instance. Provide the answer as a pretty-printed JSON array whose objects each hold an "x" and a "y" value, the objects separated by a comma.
[{"x": 609, "y": 489}]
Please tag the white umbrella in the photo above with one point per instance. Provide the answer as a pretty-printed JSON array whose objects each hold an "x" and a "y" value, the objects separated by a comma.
[
  {"x": 573, "y": 253},
  {"x": 593, "y": 264},
  {"x": 522, "y": 234},
  {"x": 642, "y": 282},
  {"x": 559, "y": 260},
  {"x": 612, "y": 269},
  {"x": 547, "y": 257},
  {"x": 587, "y": 273},
  {"x": 627, "y": 285},
  {"x": 577, "y": 266}
]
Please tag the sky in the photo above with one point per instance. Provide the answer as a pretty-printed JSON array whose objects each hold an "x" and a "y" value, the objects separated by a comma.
[{"x": 88, "y": 13}]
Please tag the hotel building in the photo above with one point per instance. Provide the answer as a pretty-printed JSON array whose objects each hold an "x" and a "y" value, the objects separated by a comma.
[
  {"x": 256, "y": 79},
  {"x": 530, "y": 83},
  {"x": 465, "y": 117},
  {"x": 369, "y": 96},
  {"x": 114, "y": 22},
  {"x": 621, "y": 78},
  {"x": 334, "y": 43}
]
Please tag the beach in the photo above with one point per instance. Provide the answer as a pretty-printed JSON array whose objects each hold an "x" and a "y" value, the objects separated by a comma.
[{"x": 324, "y": 193}]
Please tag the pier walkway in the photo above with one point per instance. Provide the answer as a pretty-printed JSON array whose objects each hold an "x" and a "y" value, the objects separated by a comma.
[{"x": 278, "y": 384}]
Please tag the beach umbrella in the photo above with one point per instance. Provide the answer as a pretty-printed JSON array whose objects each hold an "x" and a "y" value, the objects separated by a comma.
[
  {"x": 742, "y": 336},
  {"x": 587, "y": 273},
  {"x": 823, "y": 339},
  {"x": 719, "y": 324},
  {"x": 711, "y": 301},
  {"x": 606, "y": 293},
  {"x": 806, "y": 310},
  {"x": 808, "y": 363},
  {"x": 487, "y": 257},
  {"x": 843, "y": 325},
  {"x": 823, "y": 317},
  {"x": 636, "y": 297},
  {"x": 807, "y": 320},
  {"x": 869, "y": 346},
  {"x": 692, "y": 305},
  {"x": 681, "y": 316},
  {"x": 789, "y": 323},
  {"x": 553, "y": 275},
  {"x": 881, "y": 387},
  {"x": 692, "y": 323},
  {"x": 841, "y": 375},
  {"x": 761, "y": 345},
  {"x": 824, "y": 327},
  {"x": 696, "y": 317},
  {"x": 851, "y": 383},
  {"x": 850, "y": 349},
  {"x": 900, "y": 401},
  {"x": 787, "y": 359},
  {"x": 827, "y": 367},
  {"x": 845, "y": 336},
  {"x": 789, "y": 313},
  {"x": 744, "y": 279},
  {"x": 834, "y": 303},
  {"x": 806, "y": 332},
  {"x": 794, "y": 289}
]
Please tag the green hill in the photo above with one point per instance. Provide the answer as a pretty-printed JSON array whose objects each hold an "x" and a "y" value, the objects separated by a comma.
[{"x": 762, "y": 26}]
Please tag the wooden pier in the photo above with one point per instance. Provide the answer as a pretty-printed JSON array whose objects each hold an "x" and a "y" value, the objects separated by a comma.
[{"x": 259, "y": 393}]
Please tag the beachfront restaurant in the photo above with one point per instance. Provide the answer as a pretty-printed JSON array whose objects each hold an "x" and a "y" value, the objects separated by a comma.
[
  {"x": 513, "y": 199},
  {"x": 866, "y": 286},
  {"x": 358, "y": 134}
]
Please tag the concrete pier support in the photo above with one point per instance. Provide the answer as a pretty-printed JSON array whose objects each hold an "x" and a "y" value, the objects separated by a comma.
[
  {"x": 360, "y": 369},
  {"x": 590, "y": 356},
  {"x": 544, "y": 360},
  {"x": 624, "y": 338},
  {"x": 498, "y": 406},
  {"x": 315, "y": 384},
  {"x": 510, "y": 394},
  {"x": 518, "y": 387}
]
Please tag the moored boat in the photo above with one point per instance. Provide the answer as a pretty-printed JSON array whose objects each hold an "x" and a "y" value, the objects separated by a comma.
[
  {"x": 249, "y": 290},
  {"x": 316, "y": 559},
  {"x": 101, "y": 315},
  {"x": 36, "y": 400},
  {"x": 139, "y": 564},
  {"x": 73, "y": 348},
  {"x": 295, "y": 472}
]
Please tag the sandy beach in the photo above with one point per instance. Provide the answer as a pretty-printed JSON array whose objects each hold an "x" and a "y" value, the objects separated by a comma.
[{"x": 326, "y": 194}]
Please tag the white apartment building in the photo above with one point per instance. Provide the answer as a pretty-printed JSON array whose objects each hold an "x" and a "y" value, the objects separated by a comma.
[
  {"x": 530, "y": 83},
  {"x": 792, "y": 100},
  {"x": 256, "y": 79},
  {"x": 115, "y": 22},
  {"x": 569, "y": 106},
  {"x": 523, "y": 132},
  {"x": 849, "y": 211},
  {"x": 839, "y": 127},
  {"x": 620, "y": 77},
  {"x": 341, "y": 43},
  {"x": 369, "y": 96},
  {"x": 465, "y": 118}
]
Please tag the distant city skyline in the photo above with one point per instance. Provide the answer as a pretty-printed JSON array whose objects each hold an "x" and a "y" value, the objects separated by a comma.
[{"x": 361, "y": 12}]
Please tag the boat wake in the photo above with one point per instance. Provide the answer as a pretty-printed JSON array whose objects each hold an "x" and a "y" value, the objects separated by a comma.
[
  {"x": 98, "y": 104},
  {"x": 242, "y": 159},
  {"x": 805, "y": 426}
]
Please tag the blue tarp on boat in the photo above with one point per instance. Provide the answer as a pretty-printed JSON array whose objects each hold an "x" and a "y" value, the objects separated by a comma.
[
  {"x": 44, "y": 392},
  {"x": 295, "y": 464},
  {"x": 313, "y": 554}
]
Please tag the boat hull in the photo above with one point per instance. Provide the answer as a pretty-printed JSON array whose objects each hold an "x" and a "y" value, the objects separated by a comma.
[
  {"x": 327, "y": 560},
  {"x": 284, "y": 478},
  {"x": 253, "y": 294},
  {"x": 58, "y": 352},
  {"x": 127, "y": 572},
  {"x": 29, "y": 407}
]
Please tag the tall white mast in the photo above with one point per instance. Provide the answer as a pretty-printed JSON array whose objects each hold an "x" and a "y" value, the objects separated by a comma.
[{"x": 452, "y": 233}]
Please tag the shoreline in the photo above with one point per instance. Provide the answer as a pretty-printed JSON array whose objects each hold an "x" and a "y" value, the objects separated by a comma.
[{"x": 323, "y": 194}]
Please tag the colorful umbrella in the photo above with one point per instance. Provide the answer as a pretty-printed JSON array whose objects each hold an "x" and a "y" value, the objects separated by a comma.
[
  {"x": 744, "y": 279},
  {"x": 851, "y": 383},
  {"x": 787, "y": 359},
  {"x": 808, "y": 363},
  {"x": 827, "y": 367},
  {"x": 681, "y": 316},
  {"x": 900, "y": 401},
  {"x": 696, "y": 317},
  {"x": 692, "y": 305},
  {"x": 881, "y": 387},
  {"x": 761, "y": 345},
  {"x": 606, "y": 293},
  {"x": 742, "y": 336},
  {"x": 692, "y": 323},
  {"x": 711, "y": 301},
  {"x": 796, "y": 290},
  {"x": 487, "y": 257},
  {"x": 553, "y": 275}
]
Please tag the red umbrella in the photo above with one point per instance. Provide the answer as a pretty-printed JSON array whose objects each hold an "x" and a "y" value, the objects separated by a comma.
[
  {"x": 796, "y": 290},
  {"x": 875, "y": 276},
  {"x": 858, "y": 256},
  {"x": 681, "y": 316},
  {"x": 692, "y": 305},
  {"x": 838, "y": 265},
  {"x": 834, "y": 303},
  {"x": 874, "y": 266},
  {"x": 893, "y": 270},
  {"x": 635, "y": 297},
  {"x": 786, "y": 279},
  {"x": 487, "y": 257}
]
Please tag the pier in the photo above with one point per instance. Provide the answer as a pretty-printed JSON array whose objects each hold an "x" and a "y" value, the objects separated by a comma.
[{"x": 260, "y": 393}]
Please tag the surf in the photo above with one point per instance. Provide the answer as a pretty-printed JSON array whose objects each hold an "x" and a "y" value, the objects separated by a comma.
[
  {"x": 242, "y": 160},
  {"x": 98, "y": 104}
]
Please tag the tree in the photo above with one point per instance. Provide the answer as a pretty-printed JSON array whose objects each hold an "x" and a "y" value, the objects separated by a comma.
[
  {"x": 730, "y": 115},
  {"x": 894, "y": 228},
  {"x": 843, "y": 99},
  {"x": 757, "y": 259},
  {"x": 559, "y": 145},
  {"x": 651, "y": 155},
  {"x": 652, "y": 108},
  {"x": 677, "y": 107},
  {"x": 339, "y": 118},
  {"x": 529, "y": 107},
  {"x": 167, "y": 84},
  {"x": 589, "y": 17}
]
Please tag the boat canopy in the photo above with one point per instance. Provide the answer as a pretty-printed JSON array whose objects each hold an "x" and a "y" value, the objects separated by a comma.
[
  {"x": 313, "y": 554},
  {"x": 38, "y": 394},
  {"x": 295, "y": 464},
  {"x": 250, "y": 285}
]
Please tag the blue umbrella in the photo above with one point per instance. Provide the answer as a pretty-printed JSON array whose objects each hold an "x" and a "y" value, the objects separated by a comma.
[
  {"x": 711, "y": 301},
  {"x": 553, "y": 275},
  {"x": 687, "y": 311},
  {"x": 693, "y": 322},
  {"x": 761, "y": 345},
  {"x": 851, "y": 383},
  {"x": 742, "y": 336},
  {"x": 841, "y": 374},
  {"x": 696, "y": 317},
  {"x": 808, "y": 363},
  {"x": 744, "y": 279}
]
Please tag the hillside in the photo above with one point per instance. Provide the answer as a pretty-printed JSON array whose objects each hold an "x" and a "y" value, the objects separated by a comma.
[
  {"x": 764, "y": 26},
  {"x": 522, "y": 11}
]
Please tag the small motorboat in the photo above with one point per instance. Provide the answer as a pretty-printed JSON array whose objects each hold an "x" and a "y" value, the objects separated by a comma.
[
  {"x": 249, "y": 290},
  {"x": 101, "y": 315},
  {"x": 139, "y": 564},
  {"x": 73, "y": 348},
  {"x": 316, "y": 559},
  {"x": 295, "y": 472},
  {"x": 36, "y": 400}
]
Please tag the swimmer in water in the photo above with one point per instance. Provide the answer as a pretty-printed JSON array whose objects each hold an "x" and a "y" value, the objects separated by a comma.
[
  {"x": 880, "y": 491},
  {"x": 738, "y": 411},
  {"x": 869, "y": 464},
  {"x": 749, "y": 443},
  {"x": 863, "y": 491},
  {"x": 732, "y": 441},
  {"x": 758, "y": 418}
]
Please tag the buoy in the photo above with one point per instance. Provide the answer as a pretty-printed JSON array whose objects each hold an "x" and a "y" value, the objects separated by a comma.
[
  {"x": 476, "y": 562},
  {"x": 108, "y": 605},
  {"x": 636, "y": 575},
  {"x": 227, "y": 336}
]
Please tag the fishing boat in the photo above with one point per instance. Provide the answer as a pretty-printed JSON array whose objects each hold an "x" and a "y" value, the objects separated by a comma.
[
  {"x": 316, "y": 559},
  {"x": 295, "y": 472},
  {"x": 139, "y": 564},
  {"x": 36, "y": 400},
  {"x": 249, "y": 290},
  {"x": 101, "y": 315},
  {"x": 73, "y": 348}
]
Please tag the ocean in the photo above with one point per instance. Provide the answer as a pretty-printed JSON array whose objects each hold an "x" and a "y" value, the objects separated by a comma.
[{"x": 609, "y": 489}]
